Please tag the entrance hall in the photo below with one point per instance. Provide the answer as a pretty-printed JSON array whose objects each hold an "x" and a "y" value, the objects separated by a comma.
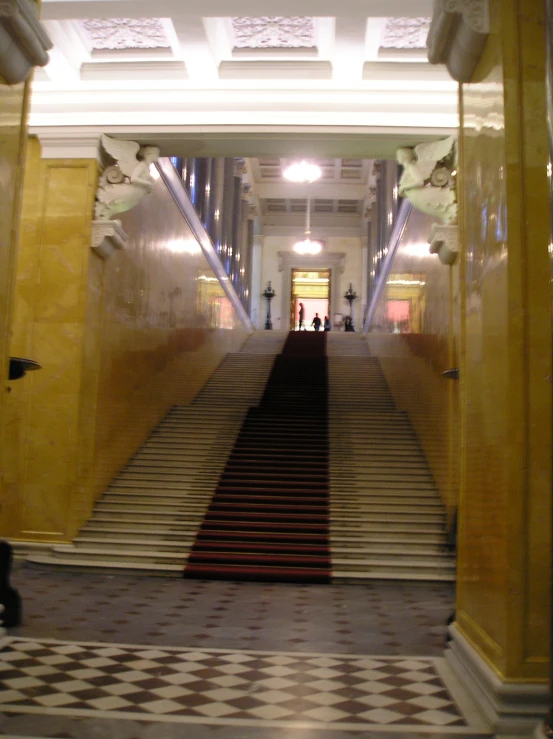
[{"x": 194, "y": 557}]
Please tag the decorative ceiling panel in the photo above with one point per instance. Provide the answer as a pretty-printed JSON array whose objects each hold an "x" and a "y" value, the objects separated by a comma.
[
  {"x": 405, "y": 33},
  {"x": 125, "y": 33},
  {"x": 273, "y": 32}
]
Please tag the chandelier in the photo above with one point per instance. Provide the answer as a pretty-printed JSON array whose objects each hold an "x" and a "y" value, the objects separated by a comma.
[
  {"x": 306, "y": 246},
  {"x": 305, "y": 172},
  {"x": 302, "y": 172}
]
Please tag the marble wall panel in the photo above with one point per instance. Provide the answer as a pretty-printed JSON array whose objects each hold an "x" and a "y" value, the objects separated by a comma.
[
  {"x": 413, "y": 334},
  {"x": 120, "y": 341}
]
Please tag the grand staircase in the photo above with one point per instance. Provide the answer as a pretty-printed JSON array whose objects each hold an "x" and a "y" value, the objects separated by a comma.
[
  {"x": 386, "y": 519},
  {"x": 148, "y": 517}
]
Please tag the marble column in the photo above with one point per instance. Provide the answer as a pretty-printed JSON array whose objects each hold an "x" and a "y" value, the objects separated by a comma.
[
  {"x": 500, "y": 642},
  {"x": 215, "y": 217},
  {"x": 236, "y": 232},
  {"x": 198, "y": 194},
  {"x": 228, "y": 214},
  {"x": 256, "y": 313}
]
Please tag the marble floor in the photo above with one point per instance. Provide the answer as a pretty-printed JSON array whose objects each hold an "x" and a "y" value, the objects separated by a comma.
[{"x": 129, "y": 657}]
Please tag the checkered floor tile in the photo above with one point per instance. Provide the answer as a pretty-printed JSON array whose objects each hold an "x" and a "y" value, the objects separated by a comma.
[{"x": 226, "y": 686}]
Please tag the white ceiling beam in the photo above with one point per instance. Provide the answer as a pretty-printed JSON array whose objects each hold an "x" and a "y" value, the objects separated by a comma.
[
  {"x": 68, "y": 54},
  {"x": 320, "y": 190},
  {"x": 194, "y": 49},
  {"x": 323, "y": 232},
  {"x": 222, "y": 140},
  {"x": 373, "y": 37},
  {"x": 61, "y": 9},
  {"x": 318, "y": 220},
  {"x": 349, "y": 50}
]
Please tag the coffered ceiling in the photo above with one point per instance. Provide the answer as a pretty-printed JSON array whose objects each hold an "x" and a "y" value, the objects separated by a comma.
[
  {"x": 343, "y": 82},
  {"x": 339, "y": 202},
  {"x": 171, "y": 65}
]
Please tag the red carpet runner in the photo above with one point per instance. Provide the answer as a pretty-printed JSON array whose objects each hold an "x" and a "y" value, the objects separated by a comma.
[{"x": 268, "y": 518}]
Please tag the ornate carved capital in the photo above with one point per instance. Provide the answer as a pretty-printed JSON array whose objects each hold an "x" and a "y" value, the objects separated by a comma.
[
  {"x": 457, "y": 36},
  {"x": 444, "y": 241},
  {"x": 29, "y": 41},
  {"x": 107, "y": 236},
  {"x": 474, "y": 12}
]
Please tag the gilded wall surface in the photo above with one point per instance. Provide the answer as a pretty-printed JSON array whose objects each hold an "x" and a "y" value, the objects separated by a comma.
[
  {"x": 12, "y": 140},
  {"x": 119, "y": 340},
  {"x": 414, "y": 335}
]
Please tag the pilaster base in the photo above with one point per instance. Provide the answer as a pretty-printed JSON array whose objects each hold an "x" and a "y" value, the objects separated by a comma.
[{"x": 511, "y": 709}]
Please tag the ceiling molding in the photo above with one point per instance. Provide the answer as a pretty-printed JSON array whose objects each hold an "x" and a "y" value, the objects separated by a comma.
[
  {"x": 169, "y": 70},
  {"x": 56, "y": 9},
  {"x": 404, "y": 71},
  {"x": 335, "y": 189},
  {"x": 275, "y": 70},
  {"x": 324, "y": 260}
]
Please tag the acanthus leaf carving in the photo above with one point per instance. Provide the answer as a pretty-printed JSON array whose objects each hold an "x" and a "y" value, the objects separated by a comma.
[
  {"x": 405, "y": 33},
  {"x": 273, "y": 32},
  {"x": 125, "y": 33}
]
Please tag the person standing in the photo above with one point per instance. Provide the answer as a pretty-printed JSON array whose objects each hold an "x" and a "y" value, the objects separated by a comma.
[
  {"x": 300, "y": 316},
  {"x": 326, "y": 323},
  {"x": 316, "y": 322}
]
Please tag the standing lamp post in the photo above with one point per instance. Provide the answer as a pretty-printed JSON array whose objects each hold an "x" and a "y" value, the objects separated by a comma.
[
  {"x": 350, "y": 296},
  {"x": 269, "y": 294}
]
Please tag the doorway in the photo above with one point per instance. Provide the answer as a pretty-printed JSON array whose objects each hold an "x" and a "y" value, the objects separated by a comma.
[{"x": 312, "y": 288}]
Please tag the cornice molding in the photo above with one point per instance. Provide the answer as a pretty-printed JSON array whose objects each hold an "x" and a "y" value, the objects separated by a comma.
[
  {"x": 457, "y": 36},
  {"x": 139, "y": 70},
  {"x": 281, "y": 70},
  {"x": 289, "y": 259},
  {"x": 56, "y": 145}
]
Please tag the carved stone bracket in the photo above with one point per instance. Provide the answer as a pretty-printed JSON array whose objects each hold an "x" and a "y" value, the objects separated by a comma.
[
  {"x": 23, "y": 41},
  {"x": 457, "y": 36},
  {"x": 107, "y": 236},
  {"x": 444, "y": 241}
]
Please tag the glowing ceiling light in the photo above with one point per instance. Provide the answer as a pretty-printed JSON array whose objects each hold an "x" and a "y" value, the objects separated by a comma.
[
  {"x": 302, "y": 172},
  {"x": 307, "y": 247}
]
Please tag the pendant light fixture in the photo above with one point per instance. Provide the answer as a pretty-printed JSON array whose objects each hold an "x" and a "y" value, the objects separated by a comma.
[
  {"x": 305, "y": 172},
  {"x": 307, "y": 246}
]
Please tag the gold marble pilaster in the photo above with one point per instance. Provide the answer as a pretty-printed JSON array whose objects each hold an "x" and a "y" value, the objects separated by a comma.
[
  {"x": 120, "y": 340},
  {"x": 41, "y": 428},
  {"x": 13, "y": 136},
  {"x": 504, "y": 547}
]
